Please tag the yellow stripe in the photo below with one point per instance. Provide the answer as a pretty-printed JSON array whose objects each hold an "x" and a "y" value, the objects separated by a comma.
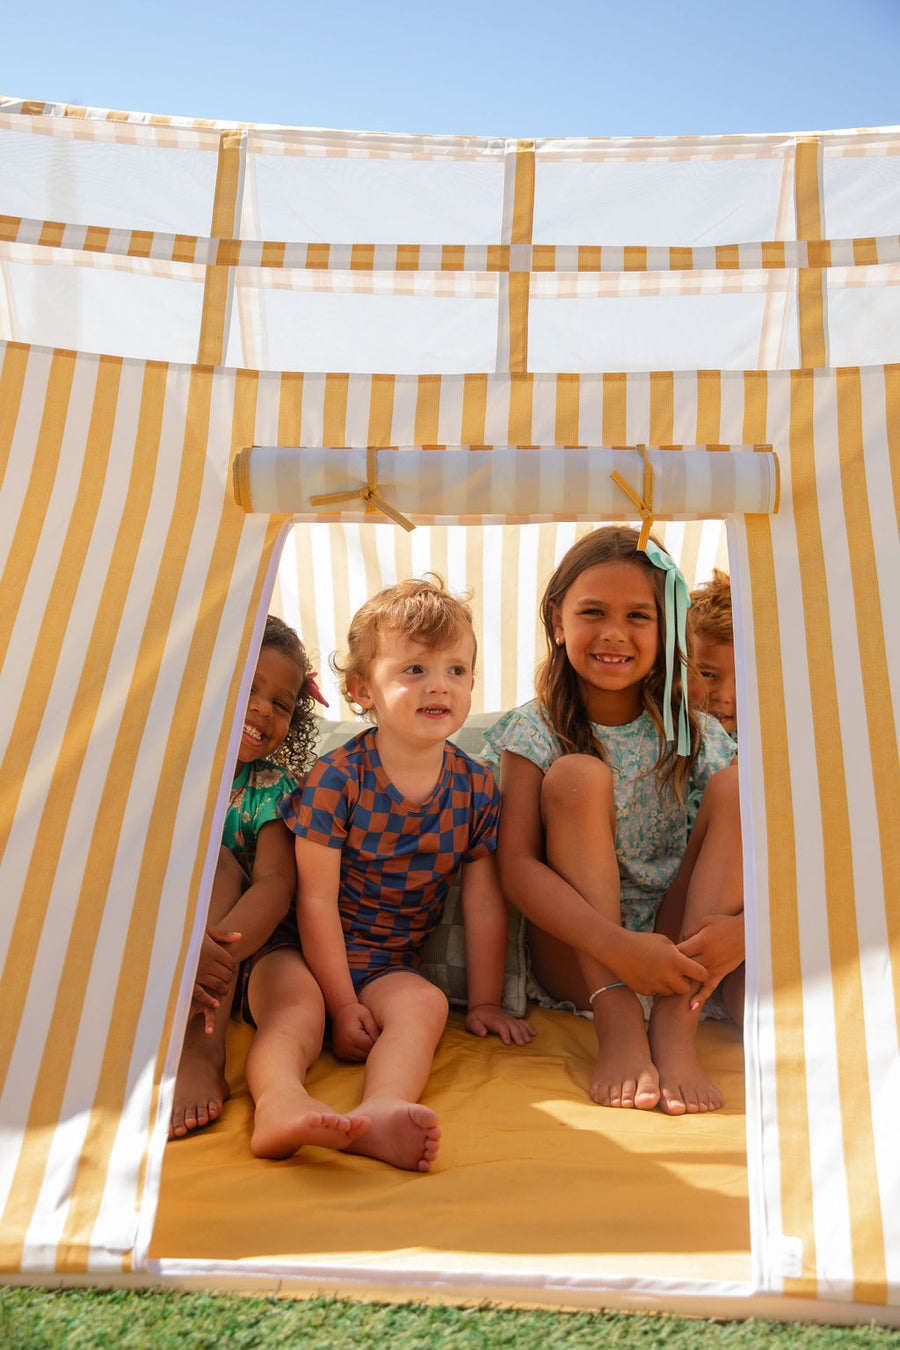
[
  {"x": 756, "y": 407},
  {"x": 811, "y": 280},
  {"x": 35, "y": 701},
  {"x": 12, "y": 380},
  {"x": 52, "y": 232},
  {"x": 784, "y": 919},
  {"x": 709, "y": 406},
  {"x": 381, "y": 410},
  {"x": 859, "y": 1144},
  {"x": 892, "y": 892},
  {"x": 521, "y": 405},
  {"x": 185, "y": 716},
  {"x": 211, "y": 347},
  {"x": 840, "y": 899},
  {"x": 567, "y": 427},
  {"x": 334, "y": 413},
  {"x": 46, "y": 1103},
  {"x": 475, "y": 389},
  {"x": 428, "y": 410},
  {"x": 31, "y": 517},
  {"x": 522, "y": 230}
]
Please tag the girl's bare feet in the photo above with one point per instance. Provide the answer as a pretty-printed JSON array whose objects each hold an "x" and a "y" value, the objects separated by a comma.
[
  {"x": 684, "y": 1087},
  {"x": 623, "y": 1074},
  {"x": 200, "y": 1092},
  {"x": 287, "y": 1118},
  {"x": 405, "y": 1134}
]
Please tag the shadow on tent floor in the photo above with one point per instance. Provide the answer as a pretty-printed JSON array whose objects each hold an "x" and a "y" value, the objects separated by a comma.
[{"x": 533, "y": 1182}]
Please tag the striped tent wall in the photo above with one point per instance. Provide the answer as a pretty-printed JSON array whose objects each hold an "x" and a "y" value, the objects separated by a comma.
[
  {"x": 139, "y": 595},
  {"x": 149, "y": 337}
]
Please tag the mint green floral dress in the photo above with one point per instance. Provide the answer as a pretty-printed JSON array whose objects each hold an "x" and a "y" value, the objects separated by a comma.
[{"x": 652, "y": 827}]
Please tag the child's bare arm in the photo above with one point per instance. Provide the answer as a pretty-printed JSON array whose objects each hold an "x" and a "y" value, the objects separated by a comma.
[
  {"x": 649, "y": 963},
  {"x": 485, "y": 921},
  {"x": 354, "y": 1029},
  {"x": 256, "y": 913},
  {"x": 717, "y": 942}
]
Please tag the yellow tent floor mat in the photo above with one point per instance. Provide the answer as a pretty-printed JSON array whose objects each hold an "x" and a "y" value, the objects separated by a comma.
[{"x": 533, "y": 1181}]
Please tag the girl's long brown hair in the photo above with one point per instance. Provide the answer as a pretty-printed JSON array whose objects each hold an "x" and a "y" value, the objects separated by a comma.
[{"x": 557, "y": 687}]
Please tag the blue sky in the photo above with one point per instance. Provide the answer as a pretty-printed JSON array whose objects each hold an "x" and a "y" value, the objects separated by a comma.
[{"x": 475, "y": 67}]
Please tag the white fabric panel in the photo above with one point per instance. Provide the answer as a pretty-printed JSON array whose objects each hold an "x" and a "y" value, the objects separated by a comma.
[
  {"x": 136, "y": 184},
  {"x": 617, "y": 201},
  {"x": 122, "y": 308},
  {"x": 862, "y": 194},
  {"x": 330, "y": 200},
  {"x": 863, "y": 314}
]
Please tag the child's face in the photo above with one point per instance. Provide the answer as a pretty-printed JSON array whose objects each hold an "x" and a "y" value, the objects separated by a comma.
[
  {"x": 715, "y": 691},
  {"x": 609, "y": 624},
  {"x": 417, "y": 693},
  {"x": 273, "y": 696}
]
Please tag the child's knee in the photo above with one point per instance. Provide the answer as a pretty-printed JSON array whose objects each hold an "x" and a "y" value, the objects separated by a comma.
[
  {"x": 431, "y": 1005},
  {"x": 572, "y": 778}
]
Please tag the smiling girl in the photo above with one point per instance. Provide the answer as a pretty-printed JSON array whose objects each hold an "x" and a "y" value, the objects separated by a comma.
[
  {"x": 602, "y": 818},
  {"x": 256, "y": 877}
]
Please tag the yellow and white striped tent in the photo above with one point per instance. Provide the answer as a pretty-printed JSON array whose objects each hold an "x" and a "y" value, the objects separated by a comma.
[{"x": 177, "y": 300}]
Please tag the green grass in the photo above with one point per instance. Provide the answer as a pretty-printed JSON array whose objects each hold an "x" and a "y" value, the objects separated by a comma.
[{"x": 90, "y": 1319}]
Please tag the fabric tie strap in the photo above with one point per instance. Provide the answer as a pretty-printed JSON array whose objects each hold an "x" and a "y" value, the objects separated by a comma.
[
  {"x": 369, "y": 494},
  {"x": 678, "y": 602}
]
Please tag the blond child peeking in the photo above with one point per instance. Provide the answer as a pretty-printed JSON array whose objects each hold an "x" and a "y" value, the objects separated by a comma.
[
  {"x": 381, "y": 826},
  {"x": 710, "y": 633}
]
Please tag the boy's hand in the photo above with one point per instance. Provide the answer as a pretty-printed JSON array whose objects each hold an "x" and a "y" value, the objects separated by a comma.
[
  {"x": 486, "y": 1018},
  {"x": 717, "y": 941},
  {"x": 353, "y": 1032}
]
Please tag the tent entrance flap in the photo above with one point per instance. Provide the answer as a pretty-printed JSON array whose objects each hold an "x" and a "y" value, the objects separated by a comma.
[{"x": 508, "y": 484}]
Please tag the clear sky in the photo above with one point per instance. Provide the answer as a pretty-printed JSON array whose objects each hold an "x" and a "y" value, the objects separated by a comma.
[{"x": 471, "y": 67}]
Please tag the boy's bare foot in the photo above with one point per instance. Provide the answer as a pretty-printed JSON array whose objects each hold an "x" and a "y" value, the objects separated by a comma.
[
  {"x": 684, "y": 1087},
  {"x": 405, "y": 1134},
  {"x": 288, "y": 1118},
  {"x": 200, "y": 1093}
]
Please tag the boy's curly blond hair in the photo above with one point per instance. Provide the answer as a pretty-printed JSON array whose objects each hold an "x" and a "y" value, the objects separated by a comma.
[
  {"x": 710, "y": 613},
  {"x": 422, "y": 609}
]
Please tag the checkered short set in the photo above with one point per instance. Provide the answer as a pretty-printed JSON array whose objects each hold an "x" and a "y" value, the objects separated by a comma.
[{"x": 397, "y": 857}]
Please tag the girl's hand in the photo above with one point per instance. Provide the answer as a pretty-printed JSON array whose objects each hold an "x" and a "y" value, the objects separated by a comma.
[
  {"x": 353, "y": 1032},
  {"x": 488, "y": 1017},
  {"x": 717, "y": 941},
  {"x": 650, "y": 963},
  {"x": 217, "y": 967}
]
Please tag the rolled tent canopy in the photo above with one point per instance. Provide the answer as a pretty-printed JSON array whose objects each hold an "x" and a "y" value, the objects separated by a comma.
[
  {"x": 185, "y": 303},
  {"x": 505, "y": 484}
]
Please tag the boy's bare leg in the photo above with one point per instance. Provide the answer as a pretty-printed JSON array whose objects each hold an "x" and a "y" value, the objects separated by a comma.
[
  {"x": 711, "y": 879},
  {"x": 201, "y": 1089},
  {"x": 577, "y": 799},
  {"x": 412, "y": 1015},
  {"x": 289, "y": 1012}
]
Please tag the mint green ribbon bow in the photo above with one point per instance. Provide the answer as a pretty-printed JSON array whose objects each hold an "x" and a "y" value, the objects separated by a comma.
[{"x": 678, "y": 602}]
